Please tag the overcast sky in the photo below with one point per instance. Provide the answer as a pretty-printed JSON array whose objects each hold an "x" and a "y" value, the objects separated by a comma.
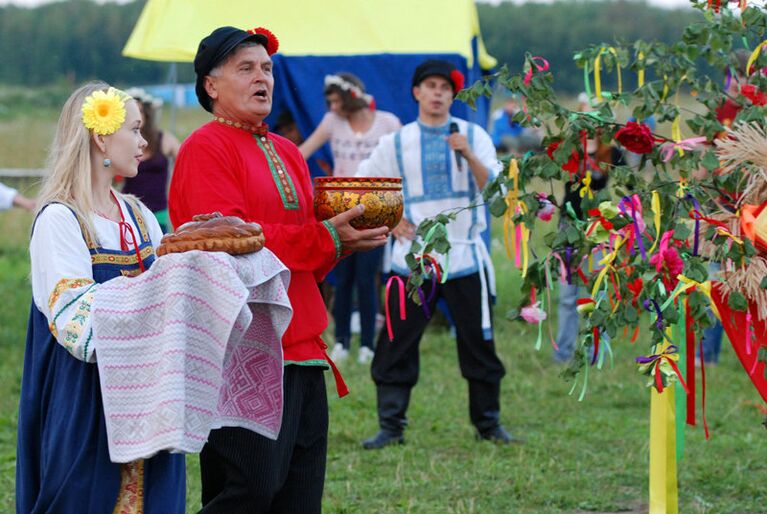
[{"x": 662, "y": 3}]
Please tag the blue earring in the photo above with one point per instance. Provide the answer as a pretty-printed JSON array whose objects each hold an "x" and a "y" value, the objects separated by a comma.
[{"x": 107, "y": 163}]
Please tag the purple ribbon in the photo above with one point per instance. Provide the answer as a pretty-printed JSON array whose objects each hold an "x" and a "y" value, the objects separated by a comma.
[
  {"x": 646, "y": 360},
  {"x": 697, "y": 224},
  {"x": 621, "y": 206},
  {"x": 568, "y": 254},
  {"x": 658, "y": 322},
  {"x": 424, "y": 300}
]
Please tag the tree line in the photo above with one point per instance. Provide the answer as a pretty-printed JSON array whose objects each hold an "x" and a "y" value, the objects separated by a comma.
[{"x": 75, "y": 40}]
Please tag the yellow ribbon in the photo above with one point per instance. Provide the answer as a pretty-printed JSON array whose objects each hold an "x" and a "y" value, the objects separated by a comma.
[
  {"x": 676, "y": 130},
  {"x": 640, "y": 73},
  {"x": 656, "y": 211},
  {"x": 664, "y": 496},
  {"x": 509, "y": 227},
  {"x": 754, "y": 56},
  {"x": 586, "y": 189},
  {"x": 509, "y": 235},
  {"x": 525, "y": 238},
  {"x": 606, "y": 261},
  {"x": 682, "y": 189},
  {"x": 598, "y": 67},
  {"x": 703, "y": 287}
]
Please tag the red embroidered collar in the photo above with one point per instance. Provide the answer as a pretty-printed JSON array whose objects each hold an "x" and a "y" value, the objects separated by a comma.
[{"x": 260, "y": 130}]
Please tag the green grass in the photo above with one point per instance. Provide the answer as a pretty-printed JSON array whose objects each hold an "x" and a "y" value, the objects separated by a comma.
[
  {"x": 589, "y": 456},
  {"x": 579, "y": 456}
]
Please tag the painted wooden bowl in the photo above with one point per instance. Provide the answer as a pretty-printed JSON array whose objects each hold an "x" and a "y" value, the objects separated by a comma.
[{"x": 382, "y": 198}]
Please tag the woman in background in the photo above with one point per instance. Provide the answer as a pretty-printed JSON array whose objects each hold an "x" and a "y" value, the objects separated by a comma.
[
  {"x": 154, "y": 173},
  {"x": 353, "y": 127}
]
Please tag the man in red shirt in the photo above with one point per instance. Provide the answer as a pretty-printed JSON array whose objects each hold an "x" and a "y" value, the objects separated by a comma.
[{"x": 235, "y": 166}]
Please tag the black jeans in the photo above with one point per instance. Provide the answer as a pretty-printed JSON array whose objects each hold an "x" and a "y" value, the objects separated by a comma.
[{"x": 243, "y": 472}]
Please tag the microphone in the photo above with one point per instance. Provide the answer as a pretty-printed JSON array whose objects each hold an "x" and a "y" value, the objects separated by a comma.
[{"x": 454, "y": 130}]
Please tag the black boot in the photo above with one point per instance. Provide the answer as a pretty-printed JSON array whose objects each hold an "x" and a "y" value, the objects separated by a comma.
[
  {"x": 392, "y": 406},
  {"x": 485, "y": 412}
]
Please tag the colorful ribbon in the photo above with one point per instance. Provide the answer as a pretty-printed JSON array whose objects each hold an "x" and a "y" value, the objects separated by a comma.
[
  {"x": 402, "y": 311},
  {"x": 668, "y": 148},
  {"x": 754, "y": 56},
  {"x": 598, "y": 68},
  {"x": 544, "y": 66}
]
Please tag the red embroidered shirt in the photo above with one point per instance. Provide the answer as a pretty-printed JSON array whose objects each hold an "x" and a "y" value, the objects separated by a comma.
[{"x": 263, "y": 179}]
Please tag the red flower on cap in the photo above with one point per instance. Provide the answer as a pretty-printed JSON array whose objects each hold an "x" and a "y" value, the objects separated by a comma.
[
  {"x": 272, "y": 43},
  {"x": 457, "y": 78},
  {"x": 636, "y": 138}
]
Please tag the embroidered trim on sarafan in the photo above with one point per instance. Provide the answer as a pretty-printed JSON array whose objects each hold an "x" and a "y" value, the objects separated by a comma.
[
  {"x": 122, "y": 258},
  {"x": 279, "y": 173},
  {"x": 135, "y": 212},
  {"x": 63, "y": 285},
  {"x": 131, "y": 497}
]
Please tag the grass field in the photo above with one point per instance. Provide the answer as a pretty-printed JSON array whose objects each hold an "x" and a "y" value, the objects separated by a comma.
[
  {"x": 589, "y": 456},
  {"x": 579, "y": 456}
]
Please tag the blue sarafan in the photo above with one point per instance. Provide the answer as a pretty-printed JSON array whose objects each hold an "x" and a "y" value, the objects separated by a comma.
[{"x": 380, "y": 41}]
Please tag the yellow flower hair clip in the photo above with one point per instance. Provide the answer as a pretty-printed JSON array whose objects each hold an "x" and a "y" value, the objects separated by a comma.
[{"x": 104, "y": 112}]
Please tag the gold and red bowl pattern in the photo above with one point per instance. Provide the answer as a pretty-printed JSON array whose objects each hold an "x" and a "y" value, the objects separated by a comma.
[{"x": 381, "y": 196}]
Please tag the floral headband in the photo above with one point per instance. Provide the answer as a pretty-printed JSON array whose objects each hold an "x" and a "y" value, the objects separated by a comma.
[
  {"x": 142, "y": 96},
  {"x": 104, "y": 112},
  {"x": 345, "y": 85}
]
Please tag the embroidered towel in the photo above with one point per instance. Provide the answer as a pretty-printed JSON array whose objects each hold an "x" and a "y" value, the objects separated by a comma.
[{"x": 191, "y": 345}]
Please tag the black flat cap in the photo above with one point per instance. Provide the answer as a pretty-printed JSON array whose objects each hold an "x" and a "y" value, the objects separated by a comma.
[{"x": 213, "y": 50}]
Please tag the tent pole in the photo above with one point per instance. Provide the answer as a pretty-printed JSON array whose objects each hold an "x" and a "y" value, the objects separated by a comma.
[{"x": 173, "y": 80}]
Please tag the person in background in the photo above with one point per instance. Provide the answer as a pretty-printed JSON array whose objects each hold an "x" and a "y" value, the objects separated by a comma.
[
  {"x": 509, "y": 136},
  {"x": 154, "y": 173},
  {"x": 599, "y": 154},
  {"x": 85, "y": 234},
  {"x": 9, "y": 197},
  {"x": 353, "y": 126},
  {"x": 234, "y": 165},
  {"x": 441, "y": 170}
]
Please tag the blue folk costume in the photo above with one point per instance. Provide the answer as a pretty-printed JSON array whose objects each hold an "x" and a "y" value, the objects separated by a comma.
[
  {"x": 432, "y": 184},
  {"x": 63, "y": 461}
]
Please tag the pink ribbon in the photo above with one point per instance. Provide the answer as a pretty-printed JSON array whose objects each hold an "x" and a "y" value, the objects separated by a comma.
[
  {"x": 685, "y": 144},
  {"x": 402, "y": 312},
  {"x": 534, "y": 66}
]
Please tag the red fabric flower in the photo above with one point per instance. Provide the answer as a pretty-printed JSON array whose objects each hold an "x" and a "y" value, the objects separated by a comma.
[
  {"x": 752, "y": 92},
  {"x": 458, "y": 80},
  {"x": 636, "y": 137},
  {"x": 372, "y": 104},
  {"x": 272, "y": 43},
  {"x": 571, "y": 166}
]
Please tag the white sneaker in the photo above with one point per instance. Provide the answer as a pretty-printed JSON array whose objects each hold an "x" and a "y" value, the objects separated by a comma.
[
  {"x": 339, "y": 353},
  {"x": 365, "y": 356},
  {"x": 354, "y": 323}
]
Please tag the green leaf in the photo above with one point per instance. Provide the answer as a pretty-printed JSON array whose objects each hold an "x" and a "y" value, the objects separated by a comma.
[
  {"x": 737, "y": 301},
  {"x": 498, "y": 207},
  {"x": 763, "y": 283}
]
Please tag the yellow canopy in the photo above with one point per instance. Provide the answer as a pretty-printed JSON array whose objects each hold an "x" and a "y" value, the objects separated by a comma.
[{"x": 170, "y": 30}]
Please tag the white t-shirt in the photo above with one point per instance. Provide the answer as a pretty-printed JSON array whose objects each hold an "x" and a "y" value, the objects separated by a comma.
[{"x": 351, "y": 148}]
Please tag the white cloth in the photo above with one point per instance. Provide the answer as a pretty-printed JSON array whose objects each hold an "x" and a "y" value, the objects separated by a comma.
[
  {"x": 190, "y": 345},
  {"x": 7, "y": 194},
  {"x": 62, "y": 276},
  {"x": 401, "y": 155}
]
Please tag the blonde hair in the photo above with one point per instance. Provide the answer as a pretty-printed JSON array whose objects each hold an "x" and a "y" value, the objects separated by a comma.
[{"x": 69, "y": 161}]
